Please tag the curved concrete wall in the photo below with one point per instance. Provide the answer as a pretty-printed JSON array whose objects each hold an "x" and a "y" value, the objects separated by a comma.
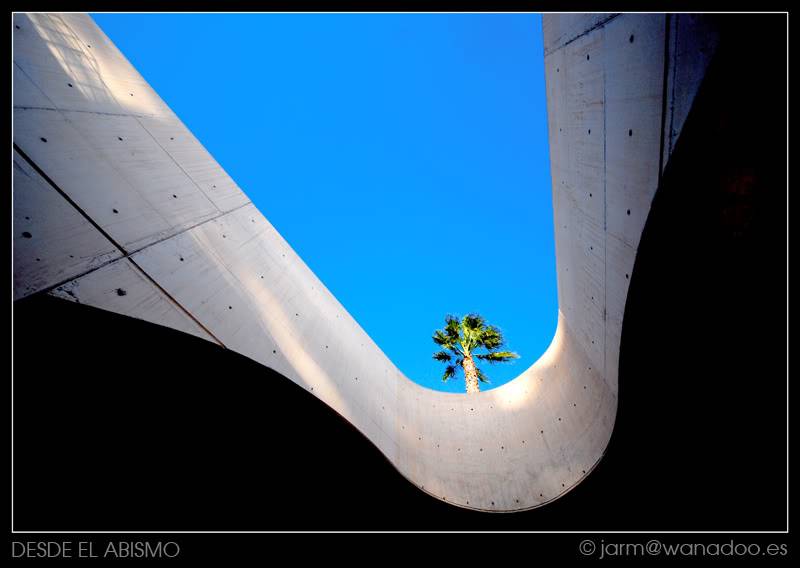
[{"x": 117, "y": 205}]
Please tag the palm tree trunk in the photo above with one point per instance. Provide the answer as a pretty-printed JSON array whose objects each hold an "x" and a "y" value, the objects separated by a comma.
[{"x": 470, "y": 375}]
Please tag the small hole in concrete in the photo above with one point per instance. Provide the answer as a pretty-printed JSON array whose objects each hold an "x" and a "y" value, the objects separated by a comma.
[
  {"x": 630, "y": 132},
  {"x": 562, "y": 485},
  {"x": 492, "y": 502},
  {"x": 540, "y": 495},
  {"x": 181, "y": 259},
  {"x": 26, "y": 234},
  {"x": 626, "y": 276},
  {"x": 559, "y": 419},
  {"x": 556, "y": 69},
  {"x": 541, "y": 431},
  {"x": 583, "y": 471},
  {"x": 587, "y": 57},
  {"x": 38, "y": 260},
  {"x": 629, "y": 211},
  {"x": 584, "y": 387},
  {"x": 517, "y": 500},
  {"x": 262, "y": 278},
  {"x": 71, "y": 256},
  {"x": 274, "y": 351},
  {"x": 121, "y": 292},
  {"x": 27, "y": 218},
  {"x": 70, "y": 85},
  {"x": 591, "y": 248},
  {"x": 89, "y": 46},
  {"x": 590, "y": 131},
  {"x": 481, "y": 449},
  {"x": 630, "y": 39},
  {"x": 115, "y": 211},
  {"x": 43, "y": 139},
  {"x": 119, "y": 138},
  {"x": 131, "y": 94},
  {"x": 16, "y": 27},
  {"x": 590, "y": 195},
  {"x": 171, "y": 138},
  {"x": 230, "y": 307}
]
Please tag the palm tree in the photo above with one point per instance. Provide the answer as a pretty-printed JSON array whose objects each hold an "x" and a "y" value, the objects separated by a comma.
[{"x": 461, "y": 339}]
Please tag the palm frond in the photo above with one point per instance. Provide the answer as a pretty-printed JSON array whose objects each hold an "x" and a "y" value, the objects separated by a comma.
[
  {"x": 449, "y": 372},
  {"x": 481, "y": 377},
  {"x": 491, "y": 337},
  {"x": 452, "y": 329},
  {"x": 446, "y": 344},
  {"x": 472, "y": 325},
  {"x": 439, "y": 337},
  {"x": 497, "y": 356},
  {"x": 442, "y": 356},
  {"x": 473, "y": 322}
]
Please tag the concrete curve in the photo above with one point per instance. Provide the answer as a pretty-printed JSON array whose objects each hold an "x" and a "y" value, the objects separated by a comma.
[{"x": 118, "y": 206}]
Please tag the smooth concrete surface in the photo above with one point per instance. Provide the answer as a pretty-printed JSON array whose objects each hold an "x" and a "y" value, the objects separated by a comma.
[{"x": 118, "y": 206}]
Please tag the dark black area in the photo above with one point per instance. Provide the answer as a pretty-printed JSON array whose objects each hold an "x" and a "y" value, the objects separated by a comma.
[
  {"x": 120, "y": 424},
  {"x": 703, "y": 376}
]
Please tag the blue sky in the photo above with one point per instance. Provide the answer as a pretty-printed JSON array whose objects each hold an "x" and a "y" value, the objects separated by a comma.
[{"x": 403, "y": 156}]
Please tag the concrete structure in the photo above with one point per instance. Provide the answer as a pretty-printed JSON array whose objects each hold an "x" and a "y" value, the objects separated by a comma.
[{"x": 118, "y": 206}]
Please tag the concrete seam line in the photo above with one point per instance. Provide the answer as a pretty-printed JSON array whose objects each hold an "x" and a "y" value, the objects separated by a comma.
[
  {"x": 174, "y": 161},
  {"x": 173, "y": 300},
  {"x": 69, "y": 200},
  {"x": 599, "y": 24}
]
